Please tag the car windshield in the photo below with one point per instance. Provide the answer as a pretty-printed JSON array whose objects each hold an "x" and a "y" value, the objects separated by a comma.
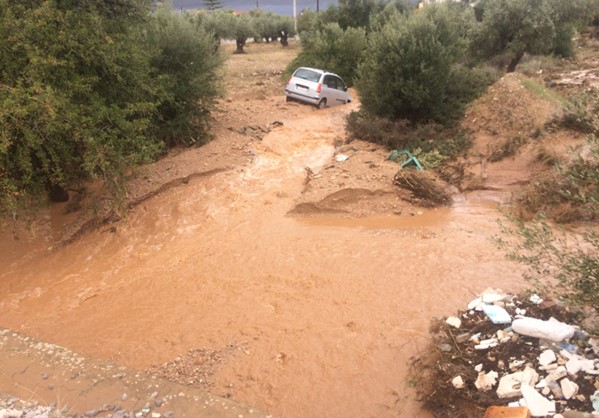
[{"x": 307, "y": 74}]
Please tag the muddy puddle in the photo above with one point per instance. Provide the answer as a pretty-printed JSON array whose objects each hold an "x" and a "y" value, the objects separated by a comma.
[{"x": 328, "y": 310}]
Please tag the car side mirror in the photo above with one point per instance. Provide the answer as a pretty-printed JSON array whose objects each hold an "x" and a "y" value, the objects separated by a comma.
[{"x": 344, "y": 88}]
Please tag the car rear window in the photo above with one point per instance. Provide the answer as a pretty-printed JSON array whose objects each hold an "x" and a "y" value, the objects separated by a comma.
[{"x": 307, "y": 74}]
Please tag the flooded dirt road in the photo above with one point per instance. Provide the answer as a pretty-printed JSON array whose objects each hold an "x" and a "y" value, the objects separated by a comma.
[
  {"x": 311, "y": 316},
  {"x": 327, "y": 310}
]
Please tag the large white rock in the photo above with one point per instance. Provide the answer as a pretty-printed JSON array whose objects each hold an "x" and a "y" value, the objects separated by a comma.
[
  {"x": 486, "y": 381},
  {"x": 556, "y": 374},
  {"x": 510, "y": 385},
  {"x": 457, "y": 382},
  {"x": 552, "y": 330},
  {"x": 538, "y": 405},
  {"x": 547, "y": 357},
  {"x": 569, "y": 388}
]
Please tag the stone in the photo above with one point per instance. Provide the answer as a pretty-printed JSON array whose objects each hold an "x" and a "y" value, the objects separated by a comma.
[
  {"x": 493, "y": 295},
  {"x": 510, "y": 385},
  {"x": 454, "y": 321},
  {"x": 486, "y": 381},
  {"x": 569, "y": 388},
  {"x": 538, "y": 405},
  {"x": 547, "y": 357},
  {"x": 457, "y": 382},
  {"x": 556, "y": 374}
]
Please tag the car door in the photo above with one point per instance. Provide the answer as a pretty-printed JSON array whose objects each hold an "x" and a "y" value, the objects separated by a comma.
[
  {"x": 341, "y": 91},
  {"x": 329, "y": 90}
]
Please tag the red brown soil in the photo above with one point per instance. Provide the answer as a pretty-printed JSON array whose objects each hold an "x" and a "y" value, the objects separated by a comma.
[{"x": 327, "y": 308}]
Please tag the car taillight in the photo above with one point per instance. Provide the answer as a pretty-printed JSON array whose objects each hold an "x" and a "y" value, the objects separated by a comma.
[{"x": 318, "y": 88}]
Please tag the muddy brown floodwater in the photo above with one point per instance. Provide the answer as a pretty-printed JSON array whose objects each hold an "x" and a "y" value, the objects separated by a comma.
[{"x": 329, "y": 310}]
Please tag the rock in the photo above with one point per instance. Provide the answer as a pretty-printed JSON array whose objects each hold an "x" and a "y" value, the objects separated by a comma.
[
  {"x": 91, "y": 413},
  {"x": 510, "y": 384},
  {"x": 569, "y": 388},
  {"x": 493, "y": 295},
  {"x": 454, "y": 321},
  {"x": 556, "y": 374},
  {"x": 538, "y": 405},
  {"x": 547, "y": 357},
  {"x": 457, "y": 382},
  {"x": 552, "y": 329},
  {"x": 486, "y": 381},
  {"x": 486, "y": 344},
  {"x": 577, "y": 363}
]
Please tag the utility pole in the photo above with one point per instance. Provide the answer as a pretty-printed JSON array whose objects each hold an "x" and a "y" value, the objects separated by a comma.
[
  {"x": 295, "y": 15},
  {"x": 257, "y": 4},
  {"x": 317, "y": 6}
]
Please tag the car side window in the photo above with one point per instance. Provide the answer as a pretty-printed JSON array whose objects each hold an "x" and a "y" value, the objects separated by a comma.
[
  {"x": 330, "y": 82},
  {"x": 340, "y": 85}
]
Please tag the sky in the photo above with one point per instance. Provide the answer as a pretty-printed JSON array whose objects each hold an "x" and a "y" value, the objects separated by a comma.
[{"x": 282, "y": 7}]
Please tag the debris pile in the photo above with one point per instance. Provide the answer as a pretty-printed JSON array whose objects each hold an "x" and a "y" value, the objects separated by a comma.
[{"x": 509, "y": 351}]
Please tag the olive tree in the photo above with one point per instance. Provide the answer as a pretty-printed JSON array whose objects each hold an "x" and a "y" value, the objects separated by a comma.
[
  {"x": 516, "y": 27},
  {"x": 333, "y": 49},
  {"x": 411, "y": 64}
]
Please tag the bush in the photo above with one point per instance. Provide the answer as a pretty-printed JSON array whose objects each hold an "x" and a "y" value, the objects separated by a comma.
[
  {"x": 559, "y": 265},
  {"x": 76, "y": 97},
  {"x": 569, "y": 193},
  {"x": 332, "y": 49},
  {"x": 435, "y": 142},
  {"x": 410, "y": 67},
  {"x": 89, "y": 91},
  {"x": 186, "y": 63}
]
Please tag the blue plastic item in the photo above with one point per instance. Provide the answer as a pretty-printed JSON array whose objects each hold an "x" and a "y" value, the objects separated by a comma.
[
  {"x": 411, "y": 159},
  {"x": 497, "y": 314}
]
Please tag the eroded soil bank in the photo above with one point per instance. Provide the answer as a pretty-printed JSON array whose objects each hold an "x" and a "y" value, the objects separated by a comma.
[{"x": 324, "y": 312}]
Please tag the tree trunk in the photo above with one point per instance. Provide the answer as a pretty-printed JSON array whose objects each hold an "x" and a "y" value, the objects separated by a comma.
[
  {"x": 514, "y": 62},
  {"x": 284, "y": 38},
  {"x": 240, "y": 44}
]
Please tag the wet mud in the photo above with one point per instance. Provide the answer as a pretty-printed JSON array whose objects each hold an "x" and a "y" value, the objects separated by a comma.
[{"x": 329, "y": 310}]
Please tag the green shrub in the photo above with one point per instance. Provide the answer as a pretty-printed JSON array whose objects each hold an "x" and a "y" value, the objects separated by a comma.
[
  {"x": 410, "y": 67},
  {"x": 569, "y": 193},
  {"x": 89, "y": 91},
  {"x": 436, "y": 143},
  {"x": 186, "y": 64},
  {"x": 332, "y": 49},
  {"x": 560, "y": 265}
]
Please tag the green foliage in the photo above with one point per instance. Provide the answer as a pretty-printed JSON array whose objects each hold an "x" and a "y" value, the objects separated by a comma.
[
  {"x": 432, "y": 142},
  {"x": 560, "y": 265},
  {"x": 187, "y": 66},
  {"x": 570, "y": 192},
  {"x": 88, "y": 91},
  {"x": 306, "y": 21},
  {"x": 410, "y": 67},
  {"x": 332, "y": 49},
  {"x": 580, "y": 113},
  {"x": 76, "y": 97},
  {"x": 515, "y": 27}
]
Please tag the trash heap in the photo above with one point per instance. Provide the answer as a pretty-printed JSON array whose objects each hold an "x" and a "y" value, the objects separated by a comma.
[{"x": 509, "y": 351}]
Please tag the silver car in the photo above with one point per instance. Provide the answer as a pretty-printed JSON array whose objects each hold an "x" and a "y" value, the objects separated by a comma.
[{"x": 317, "y": 87}]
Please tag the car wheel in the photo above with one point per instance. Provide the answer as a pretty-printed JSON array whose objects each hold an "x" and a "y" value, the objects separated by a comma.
[
  {"x": 288, "y": 99},
  {"x": 322, "y": 104}
]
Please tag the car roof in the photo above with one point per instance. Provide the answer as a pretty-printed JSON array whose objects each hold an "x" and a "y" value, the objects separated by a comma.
[{"x": 317, "y": 70}]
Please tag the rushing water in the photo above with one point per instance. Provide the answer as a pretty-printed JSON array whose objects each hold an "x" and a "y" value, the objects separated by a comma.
[{"x": 329, "y": 310}]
